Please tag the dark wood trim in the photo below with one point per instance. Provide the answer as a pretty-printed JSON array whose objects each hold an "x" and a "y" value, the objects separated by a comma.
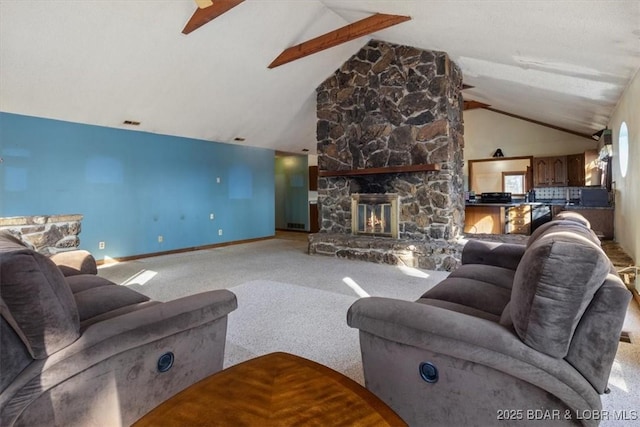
[
  {"x": 202, "y": 16},
  {"x": 537, "y": 122},
  {"x": 636, "y": 296},
  {"x": 182, "y": 250},
  {"x": 472, "y": 105},
  {"x": 313, "y": 178},
  {"x": 490, "y": 159},
  {"x": 347, "y": 33},
  {"x": 431, "y": 167},
  {"x": 292, "y": 230}
]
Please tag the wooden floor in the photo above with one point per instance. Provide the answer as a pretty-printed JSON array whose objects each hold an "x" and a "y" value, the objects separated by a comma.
[
  {"x": 620, "y": 260},
  {"x": 618, "y": 257}
]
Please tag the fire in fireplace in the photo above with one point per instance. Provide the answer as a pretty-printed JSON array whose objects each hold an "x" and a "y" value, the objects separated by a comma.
[{"x": 375, "y": 214}]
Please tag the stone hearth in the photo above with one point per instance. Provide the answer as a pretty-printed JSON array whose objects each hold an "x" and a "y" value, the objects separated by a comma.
[
  {"x": 390, "y": 122},
  {"x": 49, "y": 234}
]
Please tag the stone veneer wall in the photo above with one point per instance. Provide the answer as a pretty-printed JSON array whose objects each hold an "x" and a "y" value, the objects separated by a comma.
[
  {"x": 387, "y": 106},
  {"x": 49, "y": 234}
]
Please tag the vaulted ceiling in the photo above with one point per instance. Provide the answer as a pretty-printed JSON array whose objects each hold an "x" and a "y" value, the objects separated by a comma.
[{"x": 560, "y": 62}]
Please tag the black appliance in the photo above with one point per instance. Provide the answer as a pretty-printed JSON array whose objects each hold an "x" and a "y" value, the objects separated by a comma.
[
  {"x": 496, "y": 197},
  {"x": 594, "y": 197},
  {"x": 539, "y": 215}
]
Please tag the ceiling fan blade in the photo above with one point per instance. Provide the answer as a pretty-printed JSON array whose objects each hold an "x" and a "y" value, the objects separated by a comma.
[
  {"x": 202, "y": 16},
  {"x": 203, "y": 4}
]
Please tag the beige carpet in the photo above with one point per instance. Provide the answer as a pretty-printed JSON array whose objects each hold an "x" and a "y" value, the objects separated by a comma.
[{"x": 290, "y": 301}]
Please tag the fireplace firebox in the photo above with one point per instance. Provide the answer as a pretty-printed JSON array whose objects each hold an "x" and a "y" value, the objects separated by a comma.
[{"x": 375, "y": 215}]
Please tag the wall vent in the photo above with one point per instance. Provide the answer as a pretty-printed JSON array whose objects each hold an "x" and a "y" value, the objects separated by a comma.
[{"x": 295, "y": 225}]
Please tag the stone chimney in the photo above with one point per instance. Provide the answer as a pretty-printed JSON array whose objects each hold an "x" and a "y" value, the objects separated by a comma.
[{"x": 390, "y": 122}]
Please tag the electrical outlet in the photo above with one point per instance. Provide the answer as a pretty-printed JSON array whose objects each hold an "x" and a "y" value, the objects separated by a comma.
[
  {"x": 218, "y": 180},
  {"x": 101, "y": 245},
  {"x": 211, "y": 216},
  {"x": 160, "y": 239},
  {"x": 220, "y": 232}
]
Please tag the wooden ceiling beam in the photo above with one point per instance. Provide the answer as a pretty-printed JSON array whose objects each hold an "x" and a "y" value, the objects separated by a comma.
[
  {"x": 209, "y": 13},
  {"x": 471, "y": 104},
  {"x": 347, "y": 33}
]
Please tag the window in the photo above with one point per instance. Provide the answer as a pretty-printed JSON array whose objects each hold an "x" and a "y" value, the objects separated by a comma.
[
  {"x": 513, "y": 182},
  {"x": 623, "y": 148}
]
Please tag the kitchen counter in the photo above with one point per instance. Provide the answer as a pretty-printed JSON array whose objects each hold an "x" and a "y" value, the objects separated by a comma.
[
  {"x": 571, "y": 205},
  {"x": 513, "y": 204}
]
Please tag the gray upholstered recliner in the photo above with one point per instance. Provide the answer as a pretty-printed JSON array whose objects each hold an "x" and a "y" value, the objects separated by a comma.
[
  {"x": 78, "y": 350},
  {"x": 516, "y": 334}
]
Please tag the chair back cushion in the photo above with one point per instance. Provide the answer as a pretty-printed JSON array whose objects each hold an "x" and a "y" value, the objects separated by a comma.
[
  {"x": 554, "y": 283},
  {"x": 14, "y": 356},
  {"x": 39, "y": 300},
  {"x": 562, "y": 225},
  {"x": 596, "y": 338},
  {"x": 573, "y": 216}
]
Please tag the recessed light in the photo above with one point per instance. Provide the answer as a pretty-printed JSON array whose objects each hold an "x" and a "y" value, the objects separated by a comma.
[{"x": 131, "y": 123}]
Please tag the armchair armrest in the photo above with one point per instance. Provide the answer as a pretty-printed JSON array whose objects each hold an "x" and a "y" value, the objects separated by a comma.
[
  {"x": 471, "y": 339},
  {"x": 75, "y": 262},
  {"x": 148, "y": 324},
  {"x": 123, "y": 351},
  {"x": 506, "y": 255}
]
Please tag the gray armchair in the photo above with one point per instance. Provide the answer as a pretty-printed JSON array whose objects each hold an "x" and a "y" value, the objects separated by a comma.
[
  {"x": 514, "y": 336},
  {"x": 78, "y": 350}
]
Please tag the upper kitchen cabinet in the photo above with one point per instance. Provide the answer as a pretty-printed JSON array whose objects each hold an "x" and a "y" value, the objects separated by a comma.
[
  {"x": 580, "y": 168},
  {"x": 550, "y": 171}
]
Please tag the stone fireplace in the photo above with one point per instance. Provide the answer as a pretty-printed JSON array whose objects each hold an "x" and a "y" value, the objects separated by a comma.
[
  {"x": 390, "y": 146},
  {"x": 375, "y": 215}
]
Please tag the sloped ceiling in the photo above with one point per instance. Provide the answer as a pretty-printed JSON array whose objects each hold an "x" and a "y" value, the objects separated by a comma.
[{"x": 565, "y": 63}]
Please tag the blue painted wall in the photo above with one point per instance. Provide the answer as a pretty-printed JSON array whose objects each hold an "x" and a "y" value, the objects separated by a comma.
[
  {"x": 292, "y": 192},
  {"x": 133, "y": 186}
]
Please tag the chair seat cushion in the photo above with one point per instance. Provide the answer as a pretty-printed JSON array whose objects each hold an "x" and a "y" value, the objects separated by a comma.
[
  {"x": 102, "y": 299},
  {"x": 472, "y": 293},
  {"x": 82, "y": 282},
  {"x": 459, "y": 308},
  {"x": 499, "y": 276}
]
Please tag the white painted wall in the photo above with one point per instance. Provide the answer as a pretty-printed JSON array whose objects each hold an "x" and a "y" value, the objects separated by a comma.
[
  {"x": 486, "y": 131},
  {"x": 627, "y": 213}
]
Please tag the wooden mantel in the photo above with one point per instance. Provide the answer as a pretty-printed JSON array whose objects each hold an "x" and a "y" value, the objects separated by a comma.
[{"x": 431, "y": 167}]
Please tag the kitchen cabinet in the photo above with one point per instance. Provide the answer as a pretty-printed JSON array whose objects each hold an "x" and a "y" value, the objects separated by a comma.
[
  {"x": 550, "y": 171},
  {"x": 601, "y": 219},
  {"x": 579, "y": 168},
  {"x": 484, "y": 219},
  {"x": 313, "y": 178},
  {"x": 518, "y": 220}
]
